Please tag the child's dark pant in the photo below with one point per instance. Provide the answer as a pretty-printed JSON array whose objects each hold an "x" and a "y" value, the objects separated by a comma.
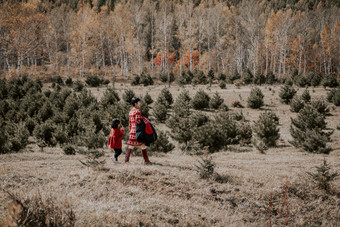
[{"x": 117, "y": 153}]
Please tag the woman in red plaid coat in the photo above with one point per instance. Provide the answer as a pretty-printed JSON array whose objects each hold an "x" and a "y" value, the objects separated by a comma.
[{"x": 135, "y": 117}]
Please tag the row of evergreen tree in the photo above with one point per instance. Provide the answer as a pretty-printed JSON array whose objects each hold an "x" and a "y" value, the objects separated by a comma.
[
  {"x": 199, "y": 77},
  {"x": 62, "y": 115}
]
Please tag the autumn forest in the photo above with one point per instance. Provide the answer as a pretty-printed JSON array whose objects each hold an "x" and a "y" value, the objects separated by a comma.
[{"x": 126, "y": 37}]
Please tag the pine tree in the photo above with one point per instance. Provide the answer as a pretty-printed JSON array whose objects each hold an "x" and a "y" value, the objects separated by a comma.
[
  {"x": 210, "y": 76},
  {"x": 162, "y": 144},
  {"x": 329, "y": 81},
  {"x": 334, "y": 96},
  {"x": 165, "y": 97},
  {"x": 160, "y": 111},
  {"x": 216, "y": 101},
  {"x": 200, "y": 100},
  {"x": 128, "y": 95},
  {"x": 110, "y": 97},
  {"x": 144, "y": 109},
  {"x": 181, "y": 107},
  {"x": 255, "y": 99},
  {"x": 181, "y": 129},
  {"x": 259, "y": 78},
  {"x": 210, "y": 136},
  {"x": 323, "y": 176},
  {"x": 248, "y": 77},
  {"x": 147, "y": 99},
  {"x": 296, "y": 104},
  {"x": 308, "y": 131},
  {"x": 266, "y": 129},
  {"x": 287, "y": 92},
  {"x": 321, "y": 106},
  {"x": 306, "y": 96}
]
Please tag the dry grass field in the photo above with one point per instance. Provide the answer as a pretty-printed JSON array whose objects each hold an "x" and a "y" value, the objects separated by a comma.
[{"x": 253, "y": 189}]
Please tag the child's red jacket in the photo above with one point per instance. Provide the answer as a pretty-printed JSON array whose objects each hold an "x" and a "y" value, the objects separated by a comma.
[{"x": 115, "y": 139}]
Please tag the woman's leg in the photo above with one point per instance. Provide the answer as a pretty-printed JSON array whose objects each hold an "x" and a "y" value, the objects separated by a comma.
[
  {"x": 145, "y": 155},
  {"x": 128, "y": 152}
]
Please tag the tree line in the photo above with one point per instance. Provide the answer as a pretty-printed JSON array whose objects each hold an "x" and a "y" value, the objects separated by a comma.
[{"x": 126, "y": 37}]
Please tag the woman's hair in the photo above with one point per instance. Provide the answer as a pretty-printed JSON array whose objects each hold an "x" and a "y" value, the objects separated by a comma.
[
  {"x": 115, "y": 123},
  {"x": 134, "y": 100}
]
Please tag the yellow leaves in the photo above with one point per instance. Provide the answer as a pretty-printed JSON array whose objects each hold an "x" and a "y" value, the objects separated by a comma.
[{"x": 23, "y": 23}]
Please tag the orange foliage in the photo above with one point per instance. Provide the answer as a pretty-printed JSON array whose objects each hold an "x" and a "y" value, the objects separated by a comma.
[
  {"x": 171, "y": 58},
  {"x": 186, "y": 59}
]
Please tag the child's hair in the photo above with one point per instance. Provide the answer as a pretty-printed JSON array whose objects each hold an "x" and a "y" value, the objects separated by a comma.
[
  {"x": 134, "y": 100},
  {"x": 115, "y": 123}
]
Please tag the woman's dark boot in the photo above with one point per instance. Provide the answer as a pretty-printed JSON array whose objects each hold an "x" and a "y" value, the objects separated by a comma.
[
  {"x": 146, "y": 158},
  {"x": 127, "y": 155}
]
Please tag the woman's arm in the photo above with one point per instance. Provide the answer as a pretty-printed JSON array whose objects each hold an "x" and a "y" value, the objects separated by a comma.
[{"x": 138, "y": 116}]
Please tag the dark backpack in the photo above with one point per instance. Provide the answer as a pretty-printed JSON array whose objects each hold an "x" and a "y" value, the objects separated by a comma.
[{"x": 142, "y": 136}]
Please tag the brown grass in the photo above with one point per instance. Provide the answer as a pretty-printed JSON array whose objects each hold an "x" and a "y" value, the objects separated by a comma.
[{"x": 171, "y": 193}]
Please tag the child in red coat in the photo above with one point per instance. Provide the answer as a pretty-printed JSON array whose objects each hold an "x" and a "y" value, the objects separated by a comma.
[{"x": 115, "y": 139}]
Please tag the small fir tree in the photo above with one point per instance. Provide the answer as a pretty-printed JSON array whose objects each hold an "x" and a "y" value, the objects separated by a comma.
[
  {"x": 308, "y": 131},
  {"x": 128, "y": 95},
  {"x": 60, "y": 134},
  {"x": 46, "y": 112},
  {"x": 205, "y": 168},
  {"x": 235, "y": 76},
  {"x": 306, "y": 96},
  {"x": 259, "y": 78},
  {"x": 255, "y": 99},
  {"x": 216, "y": 101},
  {"x": 181, "y": 107},
  {"x": 4, "y": 147},
  {"x": 181, "y": 130},
  {"x": 266, "y": 129},
  {"x": 270, "y": 78},
  {"x": 160, "y": 111},
  {"x": 200, "y": 100},
  {"x": 228, "y": 126},
  {"x": 78, "y": 86},
  {"x": 323, "y": 176},
  {"x": 296, "y": 104},
  {"x": 144, "y": 109},
  {"x": 329, "y": 81},
  {"x": 146, "y": 80},
  {"x": 286, "y": 94},
  {"x": 210, "y": 76},
  {"x": 248, "y": 77},
  {"x": 69, "y": 81},
  {"x": 300, "y": 81},
  {"x": 199, "y": 77},
  {"x": 334, "y": 96},
  {"x": 136, "y": 80},
  {"x": 316, "y": 80},
  {"x": 162, "y": 144},
  {"x": 44, "y": 132},
  {"x": 244, "y": 133},
  {"x": 222, "y": 85},
  {"x": 222, "y": 77},
  {"x": 147, "y": 99},
  {"x": 165, "y": 97},
  {"x": 184, "y": 78},
  {"x": 211, "y": 136},
  {"x": 110, "y": 97},
  {"x": 321, "y": 106}
]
